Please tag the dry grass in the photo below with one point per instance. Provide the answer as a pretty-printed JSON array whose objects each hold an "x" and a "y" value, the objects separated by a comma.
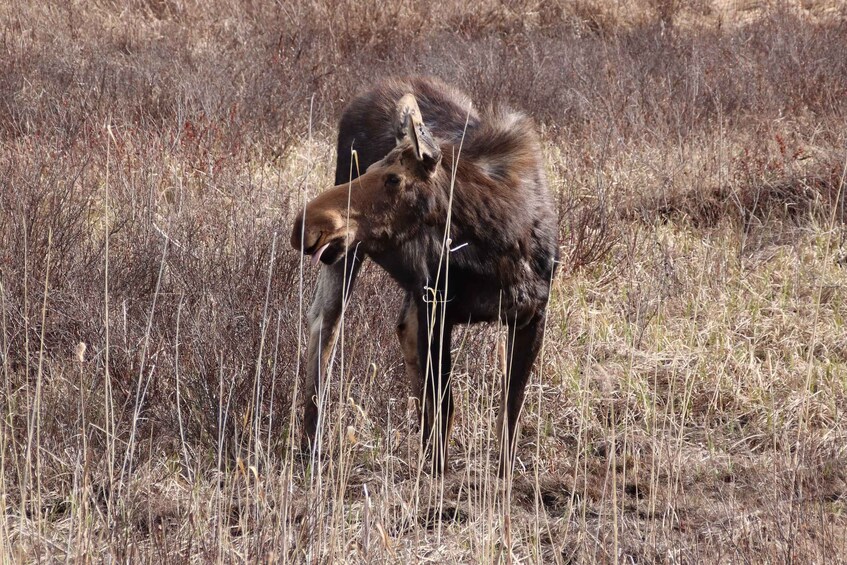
[{"x": 689, "y": 403}]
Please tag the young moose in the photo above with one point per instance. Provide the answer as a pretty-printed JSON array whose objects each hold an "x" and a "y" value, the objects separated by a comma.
[{"x": 454, "y": 206}]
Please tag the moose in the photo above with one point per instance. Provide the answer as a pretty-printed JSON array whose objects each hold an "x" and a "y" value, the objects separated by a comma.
[{"x": 453, "y": 203}]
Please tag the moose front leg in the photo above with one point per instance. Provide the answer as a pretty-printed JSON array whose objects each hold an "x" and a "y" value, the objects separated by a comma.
[
  {"x": 324, "y": 316},
  {"x": 522, "y": 348},
  {"x": 407, "y": 334},
  {"x": 434, "y": 334}
]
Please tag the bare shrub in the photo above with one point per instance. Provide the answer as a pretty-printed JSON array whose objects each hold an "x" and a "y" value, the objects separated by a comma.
[{"x": 687, "y": 403}]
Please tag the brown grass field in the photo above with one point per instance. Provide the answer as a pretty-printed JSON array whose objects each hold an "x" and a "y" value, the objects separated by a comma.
[{"x": 688, "y": 405}]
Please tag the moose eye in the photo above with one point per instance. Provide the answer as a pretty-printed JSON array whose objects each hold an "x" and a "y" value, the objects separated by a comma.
[{"x": 392, "y": 181}]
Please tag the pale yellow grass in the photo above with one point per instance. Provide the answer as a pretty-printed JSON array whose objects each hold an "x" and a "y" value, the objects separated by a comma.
[{"x": 688, "y": 406}]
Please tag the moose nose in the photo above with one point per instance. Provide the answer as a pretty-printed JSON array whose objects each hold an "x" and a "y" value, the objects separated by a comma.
[
  {"x": 299, "y": 237},
  {"x": 306, "y": 238},
  {"x": 297, "y": 233}
]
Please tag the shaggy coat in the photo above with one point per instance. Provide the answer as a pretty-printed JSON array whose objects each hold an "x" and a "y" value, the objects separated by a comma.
[{"x": 454, "y": 206}]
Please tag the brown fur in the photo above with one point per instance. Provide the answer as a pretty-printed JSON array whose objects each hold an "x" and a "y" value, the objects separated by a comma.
[{"x": 502, "y": 231}]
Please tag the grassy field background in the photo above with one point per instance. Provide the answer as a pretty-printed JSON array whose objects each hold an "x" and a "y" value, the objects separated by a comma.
[{"x": 689, "y": 403}]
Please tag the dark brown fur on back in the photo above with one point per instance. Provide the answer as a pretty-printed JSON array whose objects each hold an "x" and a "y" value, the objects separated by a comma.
[{"x": 367, "y": 123}]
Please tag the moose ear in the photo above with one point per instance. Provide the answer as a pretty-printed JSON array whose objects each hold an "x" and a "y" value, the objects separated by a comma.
[{"x": 413, "y": 128}]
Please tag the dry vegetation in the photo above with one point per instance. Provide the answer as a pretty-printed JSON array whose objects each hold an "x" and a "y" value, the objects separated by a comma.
[{"x": 689, "y": 403}]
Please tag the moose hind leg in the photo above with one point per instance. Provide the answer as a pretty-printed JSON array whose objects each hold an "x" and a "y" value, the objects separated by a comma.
[{"x": 522, "y": 348}]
